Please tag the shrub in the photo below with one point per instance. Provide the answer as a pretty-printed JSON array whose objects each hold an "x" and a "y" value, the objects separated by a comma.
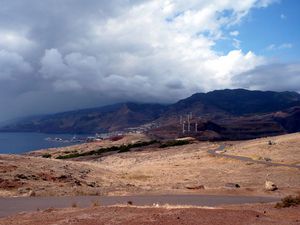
[
  {"x": 116, "y": 138},
  {"x": 120, "y": 149},
  {"x": 46, "y": 155},
  {"x": 288, "y": 202},
  {"x": 130, "y": 203},
  {"x": 174, "y": 143},
  {"x": 70, "y": 156}
]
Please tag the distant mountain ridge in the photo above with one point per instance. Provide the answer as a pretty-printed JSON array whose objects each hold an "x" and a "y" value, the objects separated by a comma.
[
  {"x": 92, "y": 120},
  {"x": 241, "y": 101},
  {"x": 216, "y": 106}
]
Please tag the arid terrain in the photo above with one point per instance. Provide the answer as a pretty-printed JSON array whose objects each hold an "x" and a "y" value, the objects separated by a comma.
[
  {"x": 280, "y": 149},
  {"x": 165, "y": 215},
  {"x": 150, "y": 169},
  {"x": 187, "y": 168}
]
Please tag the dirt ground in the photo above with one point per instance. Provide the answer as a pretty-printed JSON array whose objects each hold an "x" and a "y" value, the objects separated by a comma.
[
  {"x": 152, "y": 170},
  {"x": 182, "y": 169},
  {"x": 30, "y": 176},
  {"x": 234, "y": 215},
  {"x": 280, "y": 149},
  {"x": 191, "y": 167}
]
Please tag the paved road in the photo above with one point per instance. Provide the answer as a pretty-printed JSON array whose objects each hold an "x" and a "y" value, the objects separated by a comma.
[
  {"x": 10, "y": 206},
  {"x": 246, "y": 159}
]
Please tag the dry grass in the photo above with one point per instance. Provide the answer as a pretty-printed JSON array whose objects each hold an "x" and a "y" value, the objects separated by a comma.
[
  {"x": 153, "y": 170},
  {"x": 284, "y": 149}
]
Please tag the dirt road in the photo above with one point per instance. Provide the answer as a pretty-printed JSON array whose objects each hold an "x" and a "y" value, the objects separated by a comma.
[
  {"x": 214, "y": 152},
  {"x": 10, "y": 206}
]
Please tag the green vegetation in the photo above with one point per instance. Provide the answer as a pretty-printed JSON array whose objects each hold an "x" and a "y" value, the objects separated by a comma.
[
  {"x": 126, "y": 148},
  {"x": 47, "y": 155},
  {"x": 174, "y": 143},
  {"x": 120, "y": 149},
  {"x": 288, "y": 202},
  {"x": 69, "y": 156},
  {"x": 123, "y": 148}
]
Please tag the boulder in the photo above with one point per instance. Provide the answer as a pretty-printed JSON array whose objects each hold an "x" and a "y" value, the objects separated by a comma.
[
  {"x": 31, "y": 193},
  {"x": 270, "y": 186}
]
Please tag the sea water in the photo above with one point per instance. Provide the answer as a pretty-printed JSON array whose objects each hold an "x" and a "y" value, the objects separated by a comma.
[{"x": 17, "y": 143}]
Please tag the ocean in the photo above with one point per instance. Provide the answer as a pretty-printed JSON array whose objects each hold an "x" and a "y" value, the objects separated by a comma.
[{"x": 17, "y": 143}]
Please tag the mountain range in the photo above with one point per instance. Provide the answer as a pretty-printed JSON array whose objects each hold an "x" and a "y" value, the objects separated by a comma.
[{"x": 221, "y": 114}]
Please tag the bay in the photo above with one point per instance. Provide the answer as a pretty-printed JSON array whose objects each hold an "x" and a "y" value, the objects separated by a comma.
[{"x": 17, "y": 143}]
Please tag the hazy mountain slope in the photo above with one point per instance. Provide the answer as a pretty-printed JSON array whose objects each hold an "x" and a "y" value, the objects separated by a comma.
[
  {"x": 223, "y": 107},
  {"x": 101, "y": 119}
]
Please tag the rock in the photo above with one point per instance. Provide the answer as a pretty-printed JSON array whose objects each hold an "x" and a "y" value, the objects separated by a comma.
[
  {"x": 31, "y": 193},
  {"x": 22, "y": 191},
  {"x": 232, "y": 185},
  {"x": 77, "y": 182},
  {"x": 92, "y": 184},
  {"x": 267, "y": 159},
  {"x": 198, "y": 187},
  {"x": 270, "y": 186},
  {"x": 63, "y": 177},
  {"x": 21, "y": 176},
  {"x": 85, "y": 171}
]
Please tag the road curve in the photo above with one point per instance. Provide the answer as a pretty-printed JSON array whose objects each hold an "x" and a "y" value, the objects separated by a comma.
[{"x": 246, "y": 159}]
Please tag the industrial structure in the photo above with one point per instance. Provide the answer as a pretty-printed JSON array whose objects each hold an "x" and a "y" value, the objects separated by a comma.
[{"x": 189, "y": 125}]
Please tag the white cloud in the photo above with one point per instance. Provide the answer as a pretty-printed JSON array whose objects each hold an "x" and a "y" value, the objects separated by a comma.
[
  {"x": 123, "y": 50},
  {"x": 273, "y": 47},
  {"x": 15, "y": 41},
  {"x": 236, "y": 43},
  {"x": 234, "y": 33},
  {"x": 285, "y": 46},
  {"x": 225, "y": 68}
]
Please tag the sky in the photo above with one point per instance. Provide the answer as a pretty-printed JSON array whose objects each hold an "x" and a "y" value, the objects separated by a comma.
[{"x": 58, "y": 55}]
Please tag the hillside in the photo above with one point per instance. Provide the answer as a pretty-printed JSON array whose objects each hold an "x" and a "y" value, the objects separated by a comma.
[
  {"x": 101, "y": 119},
  {"x": 189, "y": 168},
  {"x": 225, "y": 114}
]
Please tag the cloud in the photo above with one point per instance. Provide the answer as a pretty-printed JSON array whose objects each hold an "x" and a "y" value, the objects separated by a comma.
[
  {"x": 282, "y": 16},
  {"x": 234, "y": 33},
  {"x": 14, "y": 41},
  {"x": 283, "y": 46},
  {"x": 67, "y": 54},
  {"x": 279, "y": 77},
  {"x": 236, "y": 43},
  {"x": 12, "y": 66}
]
